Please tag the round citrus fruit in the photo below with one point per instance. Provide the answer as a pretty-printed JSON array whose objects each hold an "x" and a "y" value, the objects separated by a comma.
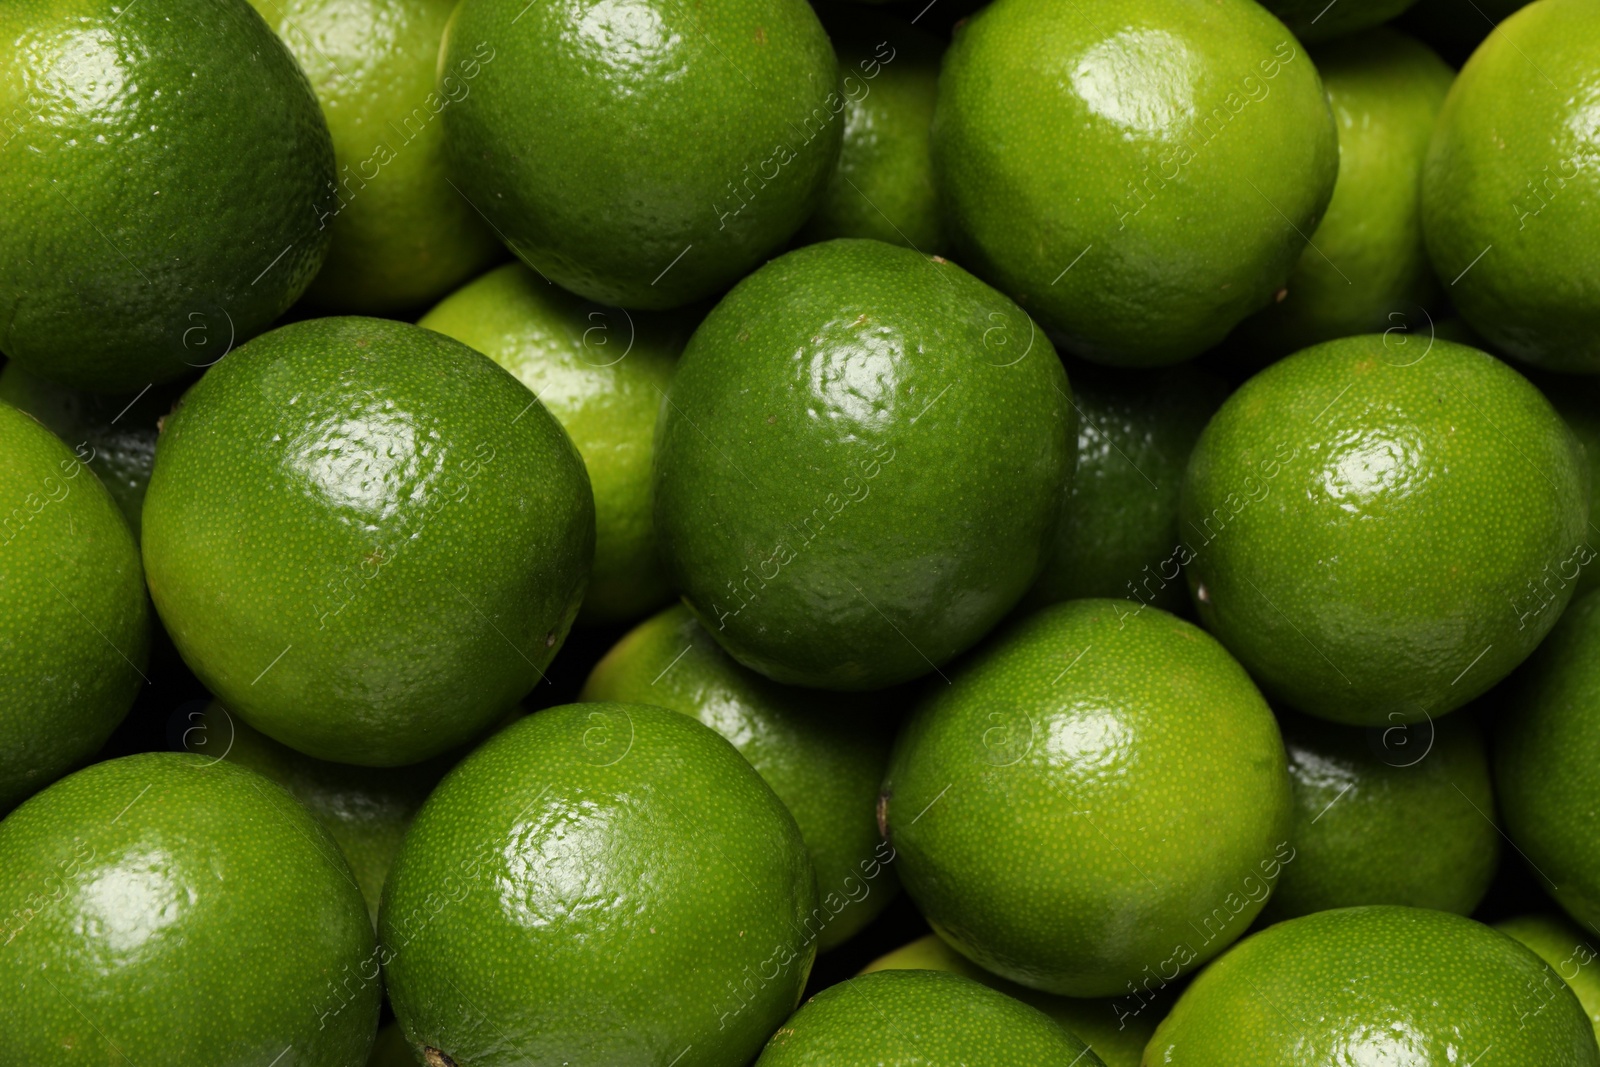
[
  {"x": 401, "y": 234},
  {"x": 1573, "y": 957},
  {"x": 74, "y": 629},
  {"x": 169, "y": 909},
  {"x": 859, "y": 467},
  {"x": 883, "y": 186},
  {"x": 1096, "y": 792},
  {"x": 1366, "y": 269},
  {"x": 1547, "y": 762},
  {"x": 163, "y": 168},
  {"x": 920, "y": 1019},
  {"x": 602, "y": 372},
  {"x": 1377, "y": 526},
  {"x": 1138, "y": 175},
  {"x": 1390, "y": 815},
  {"x": 1314, "y": 21},
  {"x": 1375, "y": 985},
  {"x": 598, "y": 883},
  {"x": 1510, "y": 183},
  {"x": 823, "y": 754},
  {"x": 643, "y": 153},
  {"x": 366, "y": 539}
]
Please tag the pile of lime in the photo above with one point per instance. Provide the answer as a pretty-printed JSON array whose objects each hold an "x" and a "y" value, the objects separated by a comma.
[{"x": 800, "y": 533}]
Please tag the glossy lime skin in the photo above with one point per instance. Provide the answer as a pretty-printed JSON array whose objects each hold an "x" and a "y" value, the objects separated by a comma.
[
  {"x": 401, "y": 236},
  {"x": 167, "y": 910},
  {"x": 1119, "y": 521},
  {"x": 1138, "y": 175},
  {"x": 366, "y": 539},
  {"x": 606, "y": 883},
  {"x": 823, "y": 754},
  {"x": 602, "y": 372},
  {"x": 1381, "y": 984},
  {"x": 115, "y": 434},
  {"x": 1545, "y": 770},
  {"x": 1380, "y": 526},
  {"x": 920, "y": 1019},
  {"x": 1396, "y": 815},
  {"x": 1564, "y": 948},
  {"x": 1366, "y": 269},
  {"x": 364, "y": 809},
  {"x": 1315, "y": 21},
  {"x": 74, "y": 627},
  {"x": 883, "y": 185},
  {"x": 1097, "y": 791},
  {"x": 644, "y": 154},
  {"x": 1512, "y": 175},
  {"x": 859, "y": 468},
  {"x": 1117, "y": 1033},
  {"x": 162, "y": 169}
]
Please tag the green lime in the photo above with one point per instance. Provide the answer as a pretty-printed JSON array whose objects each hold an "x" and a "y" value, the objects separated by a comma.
[
  {"x": 1366, "y": 269},
  {"x": 366, "y": 539},
  {"x": 859, "y": 468},
  {"x": 1563, "y": 947},
  {"x": 1314, "y": 21},
  {"x": 602, "y": 372},
  {"x": 1097, "y": 792},
  {"x": 1381, "y": 528},
  {"x": 162, "y": 169},
  {"x": 166, "y": 909},
  {"x": 920, "y": 1019},
  {"x": 1119, "y": 525},
  {"x": 1116, "y": 1032},
  {"x": 1547, "y": 761},
  {"x": 1376, "y": 985},
  {"x": 1140, "y": 179},
  {"x": 1509, "y": 187},
  {"x": 822, "y": 753},
  {"x": 401, "y": 235},
  {"x": 647, "y": 153},
  {"x": 883, "y": 186},
  {"x": 114, "y": 434},
  {"x": 74, "y": 631},
  {"x": 598, "y": 883},
  {"x": 1398, "y": 815},
  {"x": 364, "y": 809}
]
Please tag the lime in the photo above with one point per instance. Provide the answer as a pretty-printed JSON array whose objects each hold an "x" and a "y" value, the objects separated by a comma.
[
  {"x": 644, "y": 153},
  {"x": 1139, "y": 175},
  {"x": 163, "y": 168},
  {"x": 366, "y": 539},
  {"x": 1097, "y": 794},
  {"x": 401, "y": 234},
  {"x": 74, "y": 629},
  {"x": 602, "y": 372},
  {"x": 860, "y": 464},
  {"x": 1382, "y": 527}
]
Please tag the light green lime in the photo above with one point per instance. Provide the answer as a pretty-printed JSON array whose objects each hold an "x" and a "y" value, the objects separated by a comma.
[
  {"x": 1366, "y": 269},
  {"x": 883, "y": 186},
  {"x": 401, "y": 234},
  {"x": 1095, "y": 801},
  {"x": 603, "y": 373}
]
